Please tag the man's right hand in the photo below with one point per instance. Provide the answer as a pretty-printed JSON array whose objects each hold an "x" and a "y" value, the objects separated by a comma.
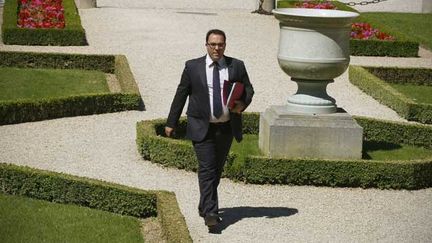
[{"x": 169, "y": 131}]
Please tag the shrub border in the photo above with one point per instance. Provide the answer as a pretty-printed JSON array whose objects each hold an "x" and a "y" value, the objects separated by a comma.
[
  {"x": 402, "y": 47},
  {"x": 336, "y": 173},
  {"x": 384, "y": 93},
  {"x": 128, "y": 98},
  {"x": 72, "y": 35},
  {"x": 110, "y": 197}
]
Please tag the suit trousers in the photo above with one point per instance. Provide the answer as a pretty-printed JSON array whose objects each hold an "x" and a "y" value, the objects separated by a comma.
[{"x": 211, "y": 154}]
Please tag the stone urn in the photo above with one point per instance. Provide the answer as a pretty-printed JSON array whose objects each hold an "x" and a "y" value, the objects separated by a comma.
[{"x": 313, "y": 50}]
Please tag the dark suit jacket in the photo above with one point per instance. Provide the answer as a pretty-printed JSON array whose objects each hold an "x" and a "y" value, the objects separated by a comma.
[{"x": 193, "y": 84}]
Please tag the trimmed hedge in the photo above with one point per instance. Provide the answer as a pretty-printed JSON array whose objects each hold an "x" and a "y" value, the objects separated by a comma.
[
  {"x": 414, "y": 174},
  {"x": 35, "y": 110},
  {"x": 67, "y": 189},
  {"x": 103, "y": 63},
  {"x": 400, "y": 75},
  {"x": 174, "y": 228},
  {"x": 72, "y": 35},
  {"x": 162, "y": 150},
  {"x": 395, "y": 132},
  {"x": 383, "y": 92},
  {"x": 384, "y": 175},
  {"x": 401, "y": 47}
]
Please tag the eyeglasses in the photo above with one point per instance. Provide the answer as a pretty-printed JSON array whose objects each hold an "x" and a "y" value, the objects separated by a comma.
[{"x": 213, "y": 45}]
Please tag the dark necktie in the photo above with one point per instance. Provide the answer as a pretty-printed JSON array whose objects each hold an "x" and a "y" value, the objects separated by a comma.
[{"x": 217, "y": 101}]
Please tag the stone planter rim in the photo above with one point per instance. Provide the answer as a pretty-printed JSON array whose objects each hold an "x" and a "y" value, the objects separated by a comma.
[{"x": 315, "y": 13}]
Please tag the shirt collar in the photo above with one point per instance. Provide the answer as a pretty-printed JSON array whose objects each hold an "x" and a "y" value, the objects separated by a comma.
[{"x": 209, "y": 61}]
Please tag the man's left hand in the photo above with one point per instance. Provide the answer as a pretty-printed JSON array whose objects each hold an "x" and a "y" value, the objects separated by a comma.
[{"x": 239, "y": 106}]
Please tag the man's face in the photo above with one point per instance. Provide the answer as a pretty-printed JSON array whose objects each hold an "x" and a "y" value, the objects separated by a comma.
[{"x": 215, "y": 46}]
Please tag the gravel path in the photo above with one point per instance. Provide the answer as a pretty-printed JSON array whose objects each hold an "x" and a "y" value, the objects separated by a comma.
[{"x": 156, "y": 42}]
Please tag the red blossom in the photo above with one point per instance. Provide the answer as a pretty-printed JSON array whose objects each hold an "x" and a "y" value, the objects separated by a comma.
[
  {"x": 41, "y": 14},
  {"x": 364, "y": 31},
  {"x": 317, "y": 4}
]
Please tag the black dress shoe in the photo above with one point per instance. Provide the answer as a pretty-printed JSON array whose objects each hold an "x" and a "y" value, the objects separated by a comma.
[{"x": 212, "y": 219}]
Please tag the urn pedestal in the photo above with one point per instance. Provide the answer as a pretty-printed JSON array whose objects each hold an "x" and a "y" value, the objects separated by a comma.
[
  {"x": 83, "y": 4},
  {"x": 313, "y": 50}
]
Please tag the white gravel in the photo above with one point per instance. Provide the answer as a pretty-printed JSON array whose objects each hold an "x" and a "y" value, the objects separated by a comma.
[{"x": 157, "y": 42}]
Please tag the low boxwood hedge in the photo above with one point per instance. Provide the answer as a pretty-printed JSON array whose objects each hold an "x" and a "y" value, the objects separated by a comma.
[
  {"x": 72, "y": 35},
  {"x": 128, "y": 98},
  {"x": 414, "y": 174},
  {"x": 162, "y": 150},
  {"x": 364, "y": 78},
  {"x": 401, "y": 47},
  {"x": 67, "y": 189}
]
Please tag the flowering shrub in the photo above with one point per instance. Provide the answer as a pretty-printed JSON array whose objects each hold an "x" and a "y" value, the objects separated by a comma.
[
  {"x": 364, "y": 31},
  {"x": 41, "y": 14},
  {"x": 315, "y": 4}
]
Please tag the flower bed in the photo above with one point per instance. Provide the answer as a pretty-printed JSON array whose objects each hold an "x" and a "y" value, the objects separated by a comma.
[
  {"x": 42, "y": 22},
  {"x": 315, "y": 4},
  {"x": 361, "y": 31},
  {"x": 368, "y": 38},
  {"x": 364, "y": 31},
  {"x": 41, "y": 14},
  {"x": 128, "y": 98}
]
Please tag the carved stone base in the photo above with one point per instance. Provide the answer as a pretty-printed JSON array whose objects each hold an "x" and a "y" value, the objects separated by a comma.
[{"x": 283, "y": 133}]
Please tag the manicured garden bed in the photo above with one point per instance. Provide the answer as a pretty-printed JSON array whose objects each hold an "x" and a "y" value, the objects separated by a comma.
[
  {"x": 38, "y": 83},
  {"x": 365, "y": 44},
  {"x": 47, "y": 33},
  {"x": 28, "y": 220},
  {"x": 113, "y": 198},
  {"x": 49, "y": 92},
  {"x": 408, "y": 91},
  {"x": 251, "y": 167}
]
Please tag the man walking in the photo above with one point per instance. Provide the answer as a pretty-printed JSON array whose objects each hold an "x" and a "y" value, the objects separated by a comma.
[{"x": 210, "y": 124}]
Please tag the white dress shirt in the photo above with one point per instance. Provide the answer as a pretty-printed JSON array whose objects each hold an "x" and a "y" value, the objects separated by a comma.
[{"x": 223, "y": 75}]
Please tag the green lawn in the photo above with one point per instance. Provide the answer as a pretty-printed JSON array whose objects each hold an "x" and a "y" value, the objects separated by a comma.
[
  {"x": 28, "y": 220},
  {"x": 418, "y": 93},
  {"x": 26, "y": 83},
  {"x": 248, "y": 146},
  {"x": 371, "y": 150},
  {"x": 388, "y": 151},
  {"x": 416, "y": 27}
]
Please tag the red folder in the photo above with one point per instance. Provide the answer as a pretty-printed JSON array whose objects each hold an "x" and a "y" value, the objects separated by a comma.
[{"x": 236, "y": 93}]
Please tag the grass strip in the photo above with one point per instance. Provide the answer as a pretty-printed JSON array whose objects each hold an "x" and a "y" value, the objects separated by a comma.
[
  {"x": 29, "y": 220},
  {"x": 34, "y": 84},
  {"x": 372, "y": 150},
  {"x": 402, "y": 24},
  {"x": 418, "y": 93}
]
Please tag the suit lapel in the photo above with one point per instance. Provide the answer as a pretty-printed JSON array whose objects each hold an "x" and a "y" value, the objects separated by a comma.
[
  {"x": 229, "y": 64},
  {"x": 231, "y": 78},
  {"x": 202, "y": 72}
]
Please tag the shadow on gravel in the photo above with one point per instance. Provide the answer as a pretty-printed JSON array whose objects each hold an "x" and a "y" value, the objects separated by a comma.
[{"x": 233, "y": 215}]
